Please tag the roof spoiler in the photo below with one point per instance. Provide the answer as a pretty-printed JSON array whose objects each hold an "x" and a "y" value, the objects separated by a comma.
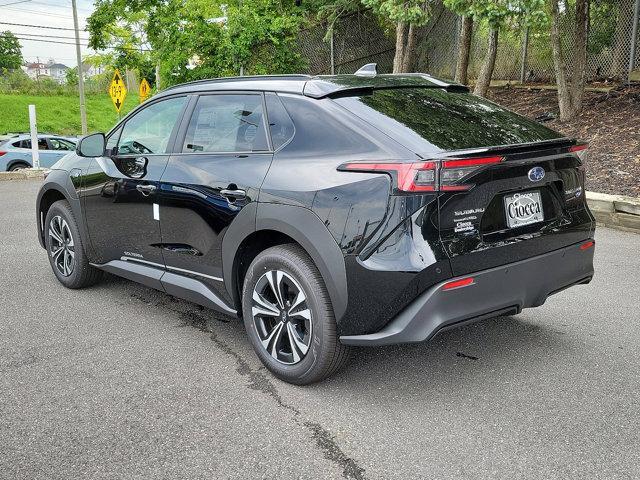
[{"x": 341, "y": 86}]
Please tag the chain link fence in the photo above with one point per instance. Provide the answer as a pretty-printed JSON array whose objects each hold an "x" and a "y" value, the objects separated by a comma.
[{"x": 359, "y": 39}]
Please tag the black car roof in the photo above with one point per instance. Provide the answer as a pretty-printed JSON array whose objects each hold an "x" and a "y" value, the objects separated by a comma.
[{"x": 315, "y": 86}]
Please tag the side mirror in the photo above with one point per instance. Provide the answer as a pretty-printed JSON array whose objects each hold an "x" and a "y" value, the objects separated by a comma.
[{"x": 92, "y": 145}]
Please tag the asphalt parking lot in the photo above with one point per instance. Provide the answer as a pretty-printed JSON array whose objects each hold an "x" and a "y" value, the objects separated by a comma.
[{"x": 121, "y": 381}]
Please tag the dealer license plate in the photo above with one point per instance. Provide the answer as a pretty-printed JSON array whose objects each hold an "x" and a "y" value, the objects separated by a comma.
[{"x": 523, "y": 208}]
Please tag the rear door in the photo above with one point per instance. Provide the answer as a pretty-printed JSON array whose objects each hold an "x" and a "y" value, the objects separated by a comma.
[{"x": 222, "y": 155}]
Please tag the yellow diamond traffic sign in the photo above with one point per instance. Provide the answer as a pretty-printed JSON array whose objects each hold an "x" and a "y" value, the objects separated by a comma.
[
  {"x": 117, "y": 90},
  {"x": 145, "y": 90}
]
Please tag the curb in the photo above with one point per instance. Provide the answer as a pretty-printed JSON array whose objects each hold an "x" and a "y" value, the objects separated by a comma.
[
  {"x": 615, "y": 211},
  {"x": 26, "y": 174}
]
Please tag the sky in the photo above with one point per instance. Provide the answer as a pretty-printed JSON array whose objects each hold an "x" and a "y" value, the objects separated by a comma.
[{"x": 46, "y": 13}]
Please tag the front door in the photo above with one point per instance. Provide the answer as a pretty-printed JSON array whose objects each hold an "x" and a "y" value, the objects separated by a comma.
[
  {"x": 224, "y": 155},
  {"x": 121, "y": 190}
]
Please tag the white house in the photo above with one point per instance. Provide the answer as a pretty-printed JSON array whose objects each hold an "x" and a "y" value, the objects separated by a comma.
[
  {"x": 51, "y": 69},
  {"x": 58, "y": 72}
]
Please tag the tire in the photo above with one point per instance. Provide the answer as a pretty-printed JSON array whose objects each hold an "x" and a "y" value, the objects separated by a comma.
[
  {"x": 19, "y": 166},
  {"x": 65, "y": 248},
  {"x": 275, "y": 337}
]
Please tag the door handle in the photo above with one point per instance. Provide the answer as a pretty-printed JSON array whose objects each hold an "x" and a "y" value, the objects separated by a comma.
[
  {"x": 146, "y": 190},
  {"x": 233, "y": 194}
]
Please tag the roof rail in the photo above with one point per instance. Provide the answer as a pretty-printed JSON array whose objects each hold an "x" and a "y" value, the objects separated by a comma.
[{"x": 239, "y": 79}]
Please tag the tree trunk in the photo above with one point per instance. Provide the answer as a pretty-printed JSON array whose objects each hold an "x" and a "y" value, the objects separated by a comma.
[
  {"x": 559, "y": 64},
  {"x": 398, "y": 59},
  {"x": 464, "y": 49},
  {"x": 484, "y": 79},
  {"x": 622, "y": 43},
  {"x": 409, "y": 49},
  {"x": 580, "y": 55}
]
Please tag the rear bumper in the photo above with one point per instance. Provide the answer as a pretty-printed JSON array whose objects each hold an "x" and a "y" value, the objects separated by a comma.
[{"x": 498, "y": 291}]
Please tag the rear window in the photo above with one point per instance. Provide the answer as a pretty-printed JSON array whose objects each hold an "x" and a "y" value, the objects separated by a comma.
[{"x": 428, "y": 120}]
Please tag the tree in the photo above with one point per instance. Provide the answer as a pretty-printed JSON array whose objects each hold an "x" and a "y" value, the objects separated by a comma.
[
  {"x": 464, "y": 50},
  {"x": 570, "y": 81},
  {"x": 407, "y": 16},
  {"x": 71, "y": 76},
  {"x": 497, "y": 15},
  {"x": 10, "y": 53},
  {"x": 193, "y": 39},
  {"x": 622, "y": 38}
]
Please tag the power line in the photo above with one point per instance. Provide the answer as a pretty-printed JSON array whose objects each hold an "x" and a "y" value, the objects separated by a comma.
[
  {"x": 46, "y": 36},
  {"x": 35, "y": 26},
  {"x": 38, "y": 12},
  {"x": 56, "y": 5},
  {"x": 14, "y": 3},
  {"x": 46, "y": 41},
  {"x": 131, "y": 49}
]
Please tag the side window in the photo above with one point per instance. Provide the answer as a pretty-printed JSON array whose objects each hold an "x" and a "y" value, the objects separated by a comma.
[
  {"x": 18, "y": 144},
  {"x": 280, "y": 123},
  {"x": 61, "y": 144},
  {"x": 149, "y": 130},
  {"x": 42, "y": 144},
  {"x": 227, "y": 123}
]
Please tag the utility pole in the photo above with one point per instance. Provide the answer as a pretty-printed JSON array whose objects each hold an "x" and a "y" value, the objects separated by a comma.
[{"x": 83, "y": 111}]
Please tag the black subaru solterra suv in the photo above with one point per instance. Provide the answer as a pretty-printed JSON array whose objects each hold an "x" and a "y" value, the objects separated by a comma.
[{"x": 325, "y": 211}]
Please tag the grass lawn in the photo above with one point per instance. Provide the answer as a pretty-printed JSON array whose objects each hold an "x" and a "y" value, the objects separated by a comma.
[{"x": 60, "y": 114}]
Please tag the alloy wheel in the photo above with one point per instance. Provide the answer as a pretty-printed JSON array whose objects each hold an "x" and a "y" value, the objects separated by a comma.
[
  {"x": 61, "y": 246},
  {"x": 282, "y": 317}
]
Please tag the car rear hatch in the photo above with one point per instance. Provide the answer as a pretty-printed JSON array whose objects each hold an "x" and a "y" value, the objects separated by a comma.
[
  {"x": 508, "y": 188},
  {"x": 524, "y": 201}
]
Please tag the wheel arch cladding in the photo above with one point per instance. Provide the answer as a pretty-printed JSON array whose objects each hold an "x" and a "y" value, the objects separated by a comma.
[
  {"x": 17, "y": 161},
  {"x": 57, "y": 186},
  {"x": 285, "y": 222}
]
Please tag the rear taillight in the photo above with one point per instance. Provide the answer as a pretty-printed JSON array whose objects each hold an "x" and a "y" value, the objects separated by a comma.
[
  {"x": 446, "y": 175},
  {"x": 2, "y": 153},
  {"x": 580, "y": 150},
  {"x": 410, "y": 177}
]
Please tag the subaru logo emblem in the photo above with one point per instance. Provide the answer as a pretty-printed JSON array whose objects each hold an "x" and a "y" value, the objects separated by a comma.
[{"x": 536, "y": 174}]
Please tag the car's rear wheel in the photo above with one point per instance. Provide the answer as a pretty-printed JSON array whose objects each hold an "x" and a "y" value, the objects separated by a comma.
[
  {"x": 66, "y": 251},
  {"x": 18, "y": 166},
  {"x": 289, "y": 318}
]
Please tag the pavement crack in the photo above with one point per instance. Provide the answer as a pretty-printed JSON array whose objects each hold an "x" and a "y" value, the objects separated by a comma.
[
  {"x": 332, "y": 451},
  {"x": 257, "y": 380},
  {"x": 464, "y": 355}
]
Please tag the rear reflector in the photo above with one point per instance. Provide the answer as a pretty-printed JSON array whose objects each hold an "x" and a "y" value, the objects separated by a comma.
[
  {"x": 586, "y": 245},
  {"x": 464, "y": 282}
]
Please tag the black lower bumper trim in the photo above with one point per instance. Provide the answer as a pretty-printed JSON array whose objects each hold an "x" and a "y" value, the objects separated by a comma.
[{"x": 494, "y": 292}]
